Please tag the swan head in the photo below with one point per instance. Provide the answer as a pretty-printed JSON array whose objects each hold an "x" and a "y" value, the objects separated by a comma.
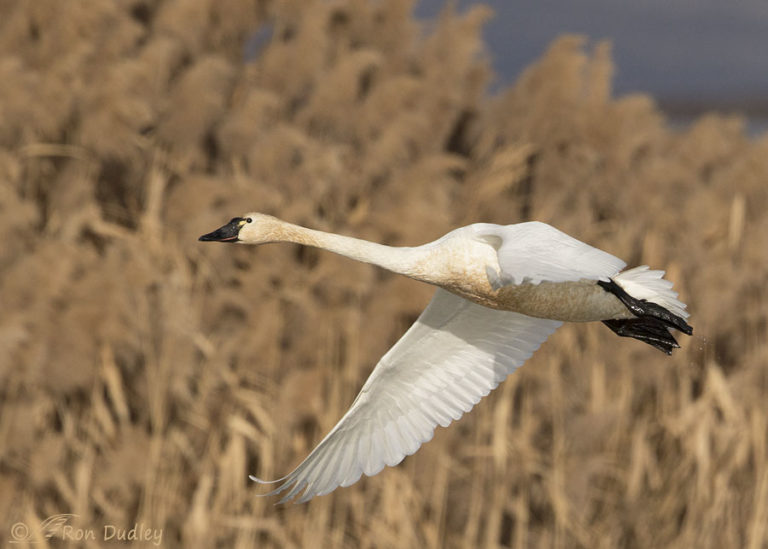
[{"x": 252, "y": 228}]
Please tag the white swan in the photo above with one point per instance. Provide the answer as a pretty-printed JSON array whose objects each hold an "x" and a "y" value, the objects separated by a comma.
[{"x": 502, "y": 291}]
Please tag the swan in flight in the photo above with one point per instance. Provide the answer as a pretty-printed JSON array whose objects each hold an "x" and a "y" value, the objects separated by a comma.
[{"x": 502, "y": 290}]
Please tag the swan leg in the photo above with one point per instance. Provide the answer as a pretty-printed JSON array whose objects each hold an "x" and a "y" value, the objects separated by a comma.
[
  {"x": 642, "y": 308},
  {"x": 652, "y": 323}
]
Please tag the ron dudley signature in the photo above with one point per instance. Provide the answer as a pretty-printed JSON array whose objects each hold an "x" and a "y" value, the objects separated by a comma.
[{"x": 58, "y": 526}]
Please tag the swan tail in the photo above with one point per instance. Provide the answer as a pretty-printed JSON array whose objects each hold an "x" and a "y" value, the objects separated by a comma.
[
  {"x": 653, "y": 302},
  {"x": 649, "y": 285}
]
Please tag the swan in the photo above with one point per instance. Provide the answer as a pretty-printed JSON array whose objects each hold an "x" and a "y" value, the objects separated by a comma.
[{"x": 502, "y": 290}]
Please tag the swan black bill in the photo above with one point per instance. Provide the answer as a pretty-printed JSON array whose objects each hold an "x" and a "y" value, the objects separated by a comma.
[{"x": 227, "y": 233}]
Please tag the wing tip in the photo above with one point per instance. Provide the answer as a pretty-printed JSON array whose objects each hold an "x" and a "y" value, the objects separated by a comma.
[
  {"x": 287, "y": 483},
  {"x": 257, "y": 480}
]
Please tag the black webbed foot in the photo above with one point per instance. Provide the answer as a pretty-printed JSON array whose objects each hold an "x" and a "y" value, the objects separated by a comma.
[
  {"x": 650, "y": 330},
  {"x": 652, "y": 323}
]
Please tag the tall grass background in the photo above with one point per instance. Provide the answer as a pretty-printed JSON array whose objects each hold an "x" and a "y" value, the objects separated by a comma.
[{"x": 144, "y": 375}]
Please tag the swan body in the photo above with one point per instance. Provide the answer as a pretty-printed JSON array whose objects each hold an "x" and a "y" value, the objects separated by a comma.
[{"x": 502, "y": 290}]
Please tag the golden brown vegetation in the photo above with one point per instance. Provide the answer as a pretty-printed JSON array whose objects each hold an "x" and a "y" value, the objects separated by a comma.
[{"x": 144, "y": 375}]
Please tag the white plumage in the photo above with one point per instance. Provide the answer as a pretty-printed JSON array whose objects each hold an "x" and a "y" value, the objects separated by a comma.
[
  {"x": 643, "y": 283},
  {"x": 454, "y": 355},
  {"x": 525, "y": 254},
  {"x": 470, "y": 337}
]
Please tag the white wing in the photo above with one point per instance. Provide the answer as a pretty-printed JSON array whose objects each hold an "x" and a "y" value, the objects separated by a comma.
[
  {"x": 453, "y": 356},
  {"x": 534, "y": 251}
]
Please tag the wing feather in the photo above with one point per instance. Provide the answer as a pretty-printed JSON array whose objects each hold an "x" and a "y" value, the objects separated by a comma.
[
  {"x": 453, "y": 356},
  {"x": 534, "y": 252}
]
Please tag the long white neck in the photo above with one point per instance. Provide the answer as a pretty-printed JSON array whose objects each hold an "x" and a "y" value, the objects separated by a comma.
[{"x": 411, "y": 262}]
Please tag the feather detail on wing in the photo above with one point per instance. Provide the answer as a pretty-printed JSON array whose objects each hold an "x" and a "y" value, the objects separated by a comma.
[
  {"x": 453, "y": 356},
  {"x": 534, "y": 252}
]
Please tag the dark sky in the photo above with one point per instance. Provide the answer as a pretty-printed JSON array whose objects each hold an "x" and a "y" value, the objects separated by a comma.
[{"x": 688, "y": 49}]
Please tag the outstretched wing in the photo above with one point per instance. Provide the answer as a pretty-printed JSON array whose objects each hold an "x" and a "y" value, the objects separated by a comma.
[
  {"x": 533, "y": 252},
  {"x": 454, "y": 355}
]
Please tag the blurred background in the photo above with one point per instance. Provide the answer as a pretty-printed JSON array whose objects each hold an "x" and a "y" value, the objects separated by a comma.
[
  {"x": 693, "y": 56},
  {"x": 144, "y": 375}
]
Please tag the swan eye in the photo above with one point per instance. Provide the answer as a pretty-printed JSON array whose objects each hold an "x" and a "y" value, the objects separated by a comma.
[{"x": 248, "y": 220}]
